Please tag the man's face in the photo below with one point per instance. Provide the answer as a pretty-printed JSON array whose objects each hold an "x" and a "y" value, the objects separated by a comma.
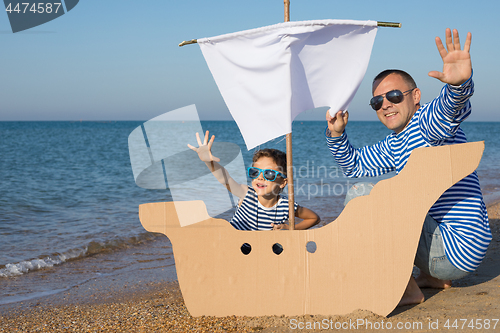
[{"x": 396, "y": 116}]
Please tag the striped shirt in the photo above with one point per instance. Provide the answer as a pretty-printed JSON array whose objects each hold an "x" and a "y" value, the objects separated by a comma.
[
  {"x": 251, "y": 215},
  {"x": 460, "y": 211}
]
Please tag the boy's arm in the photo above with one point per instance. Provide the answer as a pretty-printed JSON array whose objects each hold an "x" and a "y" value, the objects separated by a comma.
[
  {"x": 222, "y": 175},
  {"x": 219, "y": 172},
  {"x": 309, "y": 217}
]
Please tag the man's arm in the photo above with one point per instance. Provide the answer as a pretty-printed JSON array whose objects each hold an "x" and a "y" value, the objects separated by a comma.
[
  {"x": 441, "y": 118},
  {"x": 365, "y": 162},
  {"x": 369, "y": 161}
]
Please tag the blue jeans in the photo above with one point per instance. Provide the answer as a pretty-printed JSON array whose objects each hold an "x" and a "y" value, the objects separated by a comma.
[{"x": 431, "y": 256}]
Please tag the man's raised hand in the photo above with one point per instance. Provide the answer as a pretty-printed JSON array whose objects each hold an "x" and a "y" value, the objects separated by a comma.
[
  {"x": 205, "y": 149},
  {"x": 457, "y": 66}
]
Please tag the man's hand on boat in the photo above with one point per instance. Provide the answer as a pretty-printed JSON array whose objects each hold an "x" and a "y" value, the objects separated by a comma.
[
  {"x": 337, "y": 123},
  {"x": 205, "y": 149}
]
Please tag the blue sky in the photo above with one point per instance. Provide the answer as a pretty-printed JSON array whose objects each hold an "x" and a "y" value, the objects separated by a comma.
[{"x": 119, "y": 60}]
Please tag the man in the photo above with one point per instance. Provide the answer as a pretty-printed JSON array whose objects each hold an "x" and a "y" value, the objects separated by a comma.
[{"x": 456, "y": 231}]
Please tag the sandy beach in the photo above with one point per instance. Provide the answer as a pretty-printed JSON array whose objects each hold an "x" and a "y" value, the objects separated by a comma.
[{"x": 141, "y": 303}]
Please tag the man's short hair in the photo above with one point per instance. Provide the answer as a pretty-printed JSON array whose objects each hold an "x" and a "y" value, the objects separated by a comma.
[{"x": 406, "y": 77}]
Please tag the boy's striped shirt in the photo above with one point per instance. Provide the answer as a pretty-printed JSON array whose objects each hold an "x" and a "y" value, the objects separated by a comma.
[{"x": 251, "y": 215}]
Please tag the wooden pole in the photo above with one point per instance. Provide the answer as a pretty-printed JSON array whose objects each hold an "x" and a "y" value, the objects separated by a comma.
[
  {"x": 287, "y": 18},
  {"x": 289, "y": 155},
  {"x": 287, "y": 10},
  {"x": 289, "y": 176}
]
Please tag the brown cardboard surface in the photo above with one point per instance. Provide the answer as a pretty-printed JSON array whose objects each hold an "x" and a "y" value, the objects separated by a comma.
[{"x": 363, "y": 259}]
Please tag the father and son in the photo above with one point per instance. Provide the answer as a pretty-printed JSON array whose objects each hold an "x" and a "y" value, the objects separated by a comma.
[{"x": 455, "y": 233}]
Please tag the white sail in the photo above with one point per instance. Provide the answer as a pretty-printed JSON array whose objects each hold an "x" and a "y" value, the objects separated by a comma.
[{"x": 267, "y": 76}]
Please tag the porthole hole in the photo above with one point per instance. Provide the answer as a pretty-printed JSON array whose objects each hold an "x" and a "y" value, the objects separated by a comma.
[
  {"x": 277, "y": 248},
  {"x": 246, "y": 248},
  {"x": 311, "y": 247}
]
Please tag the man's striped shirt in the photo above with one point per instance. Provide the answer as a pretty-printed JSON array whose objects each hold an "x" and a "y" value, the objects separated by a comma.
[
  {"x": 460, "y": 211},
  {"x": 252, "y": 215}
]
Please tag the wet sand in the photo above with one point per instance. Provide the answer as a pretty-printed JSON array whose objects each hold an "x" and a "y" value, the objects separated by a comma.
[{"x": 136, "y": 301}]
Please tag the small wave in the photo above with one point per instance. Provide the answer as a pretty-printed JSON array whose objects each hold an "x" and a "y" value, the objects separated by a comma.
[
  {"x": 39, "y": 263},
  {"x": 92, "y": 248}
]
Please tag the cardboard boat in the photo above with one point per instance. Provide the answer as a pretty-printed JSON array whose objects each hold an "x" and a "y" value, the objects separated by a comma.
[{"x": 363, "y": 259}]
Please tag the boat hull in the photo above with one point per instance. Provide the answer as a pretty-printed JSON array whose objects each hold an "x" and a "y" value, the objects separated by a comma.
[{"x": 363, "y": 259}]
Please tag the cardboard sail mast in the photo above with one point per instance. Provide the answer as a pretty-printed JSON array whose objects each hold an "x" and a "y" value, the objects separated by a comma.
[
  {"x": 269, "y": 75},
  {"x": 289, "y": 155},
  {"x": 280, "y": 71}
]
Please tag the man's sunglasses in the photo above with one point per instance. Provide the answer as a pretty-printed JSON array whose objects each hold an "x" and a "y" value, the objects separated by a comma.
[
  {"x": 268, "y": 174},
  {"x": 393, "y": 96}
]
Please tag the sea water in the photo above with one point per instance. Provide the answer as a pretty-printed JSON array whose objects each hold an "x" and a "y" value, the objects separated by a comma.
[{"x": 68, "y": 191}]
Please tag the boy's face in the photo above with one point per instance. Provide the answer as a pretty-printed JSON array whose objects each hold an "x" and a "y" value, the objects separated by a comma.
[{"x": 265, "y": 187}]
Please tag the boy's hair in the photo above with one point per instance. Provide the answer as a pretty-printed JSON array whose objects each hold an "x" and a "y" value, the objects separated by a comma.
[{"x": 278, "y": 156}]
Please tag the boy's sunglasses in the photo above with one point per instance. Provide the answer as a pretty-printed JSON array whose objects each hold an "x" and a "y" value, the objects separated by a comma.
[
  {"x": 393, "y": 96},
  {"x": 268, "y": 174}
]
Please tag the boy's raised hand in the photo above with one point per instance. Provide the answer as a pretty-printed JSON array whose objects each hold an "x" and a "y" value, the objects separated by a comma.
[{"x": 205, "y": 149}]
